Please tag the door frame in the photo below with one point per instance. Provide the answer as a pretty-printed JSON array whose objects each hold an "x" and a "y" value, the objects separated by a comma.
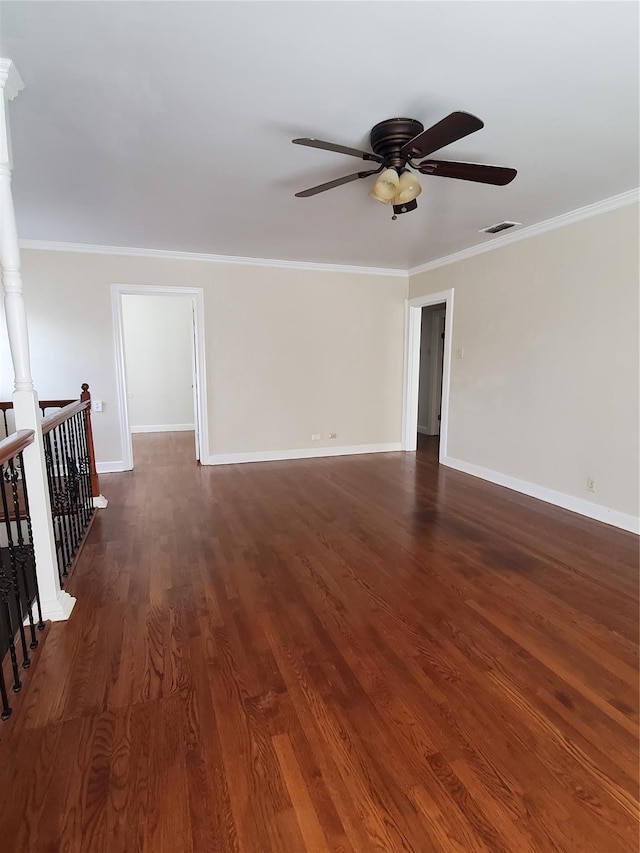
[
  {"x": 413, "y": 328},
  {"x": 200, "y": 413}
]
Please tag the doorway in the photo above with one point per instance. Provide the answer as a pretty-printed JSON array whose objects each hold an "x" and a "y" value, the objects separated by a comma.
[
  {"x": 435, "y": 389},
  {"x": 159, "y": 341},
  {"x": 432, "y": 337}
]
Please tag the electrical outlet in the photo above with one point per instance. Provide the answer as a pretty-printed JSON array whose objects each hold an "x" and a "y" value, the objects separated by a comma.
[
  {"x": 591, "y": 484},
  {"x": 316, "y": 436},
  {"x": 333, "y": 435}
]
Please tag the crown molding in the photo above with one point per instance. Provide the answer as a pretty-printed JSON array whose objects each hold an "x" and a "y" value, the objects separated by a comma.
[
  {"x": 10, "y": 80},
  {"x": 86, "y": 248},
  {"x": 607, "y": 204},
  {"x": 604, "y": 206}
]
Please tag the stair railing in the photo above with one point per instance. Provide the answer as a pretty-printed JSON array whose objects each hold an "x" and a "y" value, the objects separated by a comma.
[
  {"x": 20, "y": 611},
  {"x": 72, "y": 477}
]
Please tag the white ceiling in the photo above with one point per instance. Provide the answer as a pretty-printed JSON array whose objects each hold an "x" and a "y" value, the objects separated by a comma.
[{"x": 168, "y": 124}]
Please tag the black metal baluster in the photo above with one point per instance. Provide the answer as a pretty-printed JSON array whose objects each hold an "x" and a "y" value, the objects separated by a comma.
[
  {"x": 81, "y": 477},
  {"x": 6, "y": 423},
  {"x": 86, "y": 461},
  {"x": 6, "y": 587},
  {"x": 84, "y": 502},
  {"x": 24, "y": 550},
  {"x": 75, "y": 455},
  {"x": 53, "y": 499},
  {"x": 18, "y": 565},
  {"x": 61, "y": 505},
  {"x": 6, "y": 710},
  {"x": 75, "y": 478},
  {"x": 77, "y": 423},
  {"x": 18, "y": 576},
  {"x": 36, "y": 590},
  {"x": 54, "y": 489},
  {"x": 70, "y": 487}
]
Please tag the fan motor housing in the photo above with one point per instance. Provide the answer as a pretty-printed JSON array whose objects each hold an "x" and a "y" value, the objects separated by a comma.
[{"x": 389, "y": 136}]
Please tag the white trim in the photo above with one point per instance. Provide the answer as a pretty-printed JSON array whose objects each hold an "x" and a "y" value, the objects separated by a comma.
[
  {"x": 604, "y": 206},
  {"x": 423, "y": 430},
  {"x": 413, "y": 328},
  {"x": 197, "y": 295},
  {"x": 87, "y": 248},
  {"x": 10, "y": 79},
  {"x": 492, "y": 242},
  {"x": 110, "y": 467},
  {"x": 578, "y": 505},
  {"x": 164, "y": 428},
  {"x": 57, "y": 609},
  {"x": 121, "y": 383},
  {"x": 302, "y": 453}
]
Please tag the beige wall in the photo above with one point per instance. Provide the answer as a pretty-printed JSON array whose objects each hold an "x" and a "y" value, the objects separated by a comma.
[
  {"x": 158, "y": 343},
  {"x": 547, "y": 391},
  {"x": 289, "y": 352}
]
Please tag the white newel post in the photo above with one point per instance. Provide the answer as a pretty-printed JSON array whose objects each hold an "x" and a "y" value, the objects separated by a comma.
[{"x": 56, "y": 603}]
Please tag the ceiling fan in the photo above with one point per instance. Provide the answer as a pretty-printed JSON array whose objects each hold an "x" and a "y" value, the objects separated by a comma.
[{"x": 396, "y": 144}]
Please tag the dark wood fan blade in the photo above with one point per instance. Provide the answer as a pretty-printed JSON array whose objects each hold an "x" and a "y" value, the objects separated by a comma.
[
  {"x": 337, "y": 183},
  {"x": 340, "y": 149},
  {"x": 450, "y": 129},
  {"x": 497, "y": 175}
]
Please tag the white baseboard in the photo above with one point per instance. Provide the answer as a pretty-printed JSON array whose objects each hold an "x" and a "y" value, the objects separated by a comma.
[
  {"x": 302, "y": 453},
  {"x": 425, "y": 430},
  {"x": 110, "y": 467},
  {"x": 164, "y": 428},
  {"x": 57, "y": 609},
  {"x": 578, "y": 505}
]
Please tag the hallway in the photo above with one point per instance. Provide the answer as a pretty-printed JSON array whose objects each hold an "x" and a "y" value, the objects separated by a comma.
[{"x": 366, "y": 653}]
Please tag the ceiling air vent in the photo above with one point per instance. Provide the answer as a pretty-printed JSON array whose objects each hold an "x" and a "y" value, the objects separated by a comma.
[{"x": 501, "y": 226}]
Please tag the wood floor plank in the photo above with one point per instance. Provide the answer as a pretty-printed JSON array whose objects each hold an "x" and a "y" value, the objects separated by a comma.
[{"x": 352, "y": 654}]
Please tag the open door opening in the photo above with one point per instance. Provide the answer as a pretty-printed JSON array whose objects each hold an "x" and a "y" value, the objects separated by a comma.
[
  {"x": 159, "y": 364},
  {"x": 159, "y": 333},
  {"x": 432, "y": 340},
  {"x": 435, "y": 361}
]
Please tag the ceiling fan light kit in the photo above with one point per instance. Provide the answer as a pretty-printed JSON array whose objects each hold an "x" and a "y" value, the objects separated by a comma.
[
  {"x": 396, "y": 143},
  {"x": 386, "y": 187},
  {"x": 408, "y": 189},
  {"x": 396, "y": 189}
]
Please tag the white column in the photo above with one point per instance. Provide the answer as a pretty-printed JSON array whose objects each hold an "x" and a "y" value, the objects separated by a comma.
[{"x": 56, "y": 603}]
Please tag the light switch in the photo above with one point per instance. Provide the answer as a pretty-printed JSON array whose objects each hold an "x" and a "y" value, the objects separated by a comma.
[
  {"x": 97, "y": 405},
  {"x": 459, "y": 352}
]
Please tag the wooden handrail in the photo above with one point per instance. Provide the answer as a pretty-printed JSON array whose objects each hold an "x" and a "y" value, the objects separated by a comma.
[
  {"x": 5, "y": 405},
  {"x": 56, "y": 418},
  {"x": 14, "y": 444},
  {"x": 67, "y": 410},
  {"x": 52, "y": 404}
]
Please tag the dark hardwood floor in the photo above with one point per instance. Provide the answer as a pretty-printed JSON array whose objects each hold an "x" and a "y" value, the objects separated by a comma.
[{"x": 365, "y": 653}]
